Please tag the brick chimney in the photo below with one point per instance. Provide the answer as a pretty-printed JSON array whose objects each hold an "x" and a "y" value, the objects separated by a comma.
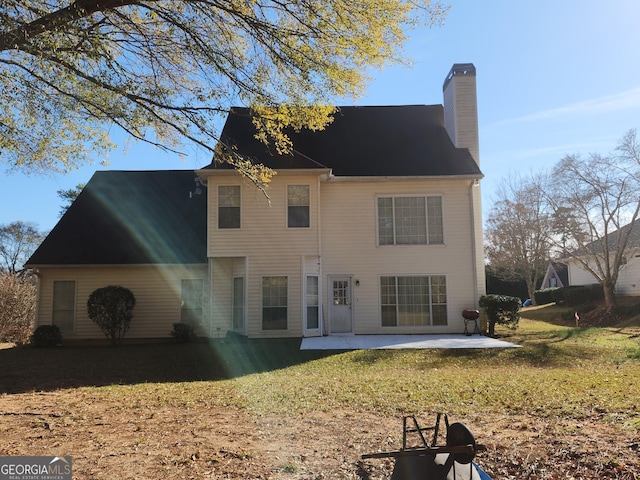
[{"x": 461, "y": 107}]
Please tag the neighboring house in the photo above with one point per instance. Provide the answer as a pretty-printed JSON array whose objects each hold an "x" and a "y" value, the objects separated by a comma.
[
  {"x": 556, "y": 276},
  {"x": 372, "y": 226},
  {"x": 629, "y": 276}
]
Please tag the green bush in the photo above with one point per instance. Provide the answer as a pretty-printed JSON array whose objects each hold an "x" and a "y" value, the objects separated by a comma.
[
  {"x": 183, "y": 332},
  {"x": 581, "y": 294},
  {"x": 111, "y": 308},
  {"x": 46, "y": 336},
  {"x": 501, "y": 309},
  {"x": 544, "y": 296},
  {"x": 558, "y": 295}
]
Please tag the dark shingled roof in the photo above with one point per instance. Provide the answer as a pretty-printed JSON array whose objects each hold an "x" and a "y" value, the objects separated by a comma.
[
  {"x": 597, "y": 246},
  {"x": 408, "y": 140},
  {"x": 127, "y": 217}
]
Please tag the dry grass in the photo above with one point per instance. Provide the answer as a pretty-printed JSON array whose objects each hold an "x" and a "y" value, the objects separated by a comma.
[{"x": 565, "y": 404}]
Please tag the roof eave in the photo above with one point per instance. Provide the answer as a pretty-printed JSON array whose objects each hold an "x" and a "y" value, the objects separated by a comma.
[{"x": 363, "y": 178}]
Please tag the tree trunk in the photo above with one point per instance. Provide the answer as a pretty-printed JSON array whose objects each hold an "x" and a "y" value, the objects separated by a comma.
[
  {"x": 492, "y": 328},
  {"x": 531, "y": 290},
  {"x": 609, "y": 295}
]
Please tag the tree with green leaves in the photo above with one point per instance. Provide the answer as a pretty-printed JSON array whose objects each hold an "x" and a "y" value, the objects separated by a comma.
[
  {"x": 166, "y": 72},
  {"x": 69, "y": 196}
]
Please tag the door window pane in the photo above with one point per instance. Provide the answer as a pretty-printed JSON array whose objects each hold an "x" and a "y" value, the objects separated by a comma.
[
  {"x": 313, "y": 307},
  {"x": 341, "y": 292}
]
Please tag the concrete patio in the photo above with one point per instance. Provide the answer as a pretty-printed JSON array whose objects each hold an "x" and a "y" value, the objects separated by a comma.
[{"x": 382, "y": 342}]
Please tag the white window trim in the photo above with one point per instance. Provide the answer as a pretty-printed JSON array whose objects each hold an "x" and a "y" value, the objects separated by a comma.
[
  {"x": 305, "y": 304},
  {"x": 287, "y": 205},
  {"x": 266, "y": 330},
  {"x": 422, "y": 195},
  {"x": 75, "y": 303},
  {"x": 431, "y": 325},
  {"x": 218, "y": 207}
]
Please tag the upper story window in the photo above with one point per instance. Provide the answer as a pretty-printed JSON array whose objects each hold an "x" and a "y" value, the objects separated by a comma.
[
  {"x": 410, "y": 220},
  {"x": 298, "y": 206},
  {"x": 229, "y": 206}
]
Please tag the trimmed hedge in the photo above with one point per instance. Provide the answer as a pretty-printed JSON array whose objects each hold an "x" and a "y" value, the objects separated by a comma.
[
  {"x": 545, "y": 295},
  {"x": 501, "y": 309}
]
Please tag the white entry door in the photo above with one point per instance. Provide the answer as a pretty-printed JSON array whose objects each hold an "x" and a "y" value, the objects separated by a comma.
[{"x": 340, "y": 307}]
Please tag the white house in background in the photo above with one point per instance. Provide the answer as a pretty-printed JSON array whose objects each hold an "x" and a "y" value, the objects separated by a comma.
[
  {"x": 556, "y": 276},
  {"x": 629, "y": 276},
  {"x": 372, "y": 226}
]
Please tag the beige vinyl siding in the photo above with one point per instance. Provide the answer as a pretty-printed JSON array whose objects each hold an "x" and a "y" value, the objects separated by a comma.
[
  {"x": 342, "y": 239},
  {"x": 156, "y": 289},
  {"x": 264, "y": 220},
  {"x": 349, "y": 245},
  {"x": 269, "y": 247}
]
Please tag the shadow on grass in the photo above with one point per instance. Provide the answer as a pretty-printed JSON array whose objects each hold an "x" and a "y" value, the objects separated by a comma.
[{"x": 47, "y": 369}]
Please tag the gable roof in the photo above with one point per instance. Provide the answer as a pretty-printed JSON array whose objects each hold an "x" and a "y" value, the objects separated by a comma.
[
  {"x": 380, "y": 141},
  {"x": 130, "y": 217},
  {"x": 597, "y": 246},
  {"x": 561, "y": 271}
]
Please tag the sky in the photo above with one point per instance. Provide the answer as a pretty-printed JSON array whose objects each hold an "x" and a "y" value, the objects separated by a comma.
[{"x": 554, "y": 78}]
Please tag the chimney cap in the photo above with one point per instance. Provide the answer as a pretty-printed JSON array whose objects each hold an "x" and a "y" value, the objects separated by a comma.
[{"x": 459, "y": 69}]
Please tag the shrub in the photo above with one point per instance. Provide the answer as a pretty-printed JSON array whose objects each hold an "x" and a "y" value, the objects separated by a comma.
[
  {"x": 501, "y": 309},
  {"x": 580, "y": 294},
  {"x": 183, "y": 332},
  {"x": 46, "y": 336},
  {"x": 544, "y": 296},
  {"x": 111, "y": 308},
  {"x": 558, "y": 295},
  {"x": 17, "y": 308}
]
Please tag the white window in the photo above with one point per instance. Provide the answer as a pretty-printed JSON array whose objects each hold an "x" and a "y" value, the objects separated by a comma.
[
  {"x": 238, "y": 304},
  {"x": 229, "y": 206},
  {"x": 64, "y": 301},
  {"x": 410, "y": 220},
  {"x": 413, "y": 301},
  {"x": 298, "y": 206},
  {"x": 274, "y": 303}
]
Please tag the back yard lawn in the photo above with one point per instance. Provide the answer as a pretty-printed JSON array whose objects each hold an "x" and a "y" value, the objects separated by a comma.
[{"x": 563, "y": 406}]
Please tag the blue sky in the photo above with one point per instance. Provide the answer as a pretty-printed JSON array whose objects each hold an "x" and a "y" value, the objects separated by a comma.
[{"x": 553, "y": 77}]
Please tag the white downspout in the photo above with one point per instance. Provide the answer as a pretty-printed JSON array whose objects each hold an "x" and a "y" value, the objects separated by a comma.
[{"x": 474, "y": 250}]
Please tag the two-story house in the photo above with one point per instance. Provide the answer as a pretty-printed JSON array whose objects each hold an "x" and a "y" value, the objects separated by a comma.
[{"x": 371, "y": 226}]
